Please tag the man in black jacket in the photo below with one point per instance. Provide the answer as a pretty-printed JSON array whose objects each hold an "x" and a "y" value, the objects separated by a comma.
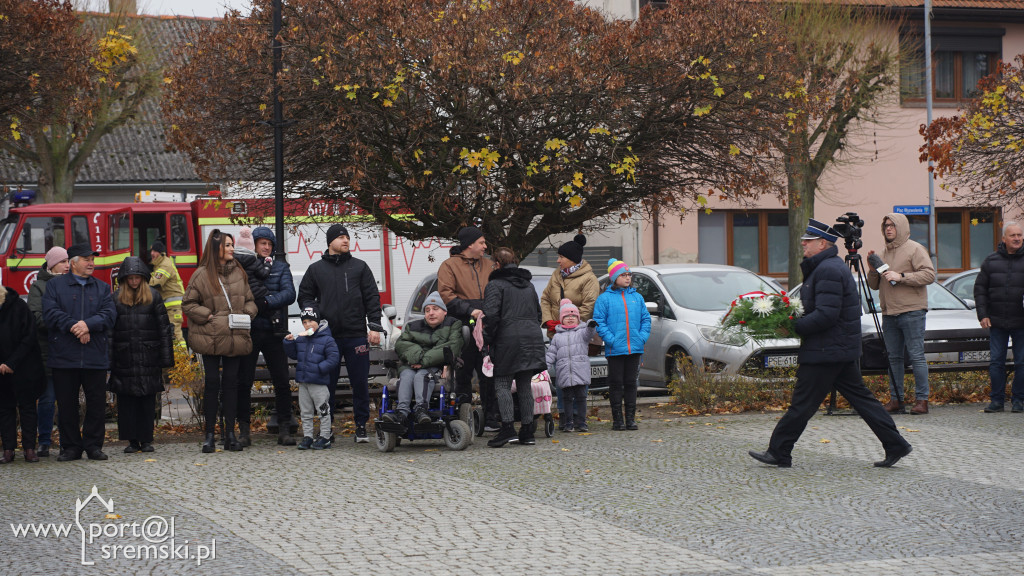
[
  {"x": 999, "y": 296},
  {"x": 342, "y": 290},
  {"x": 829, "y": 353}
]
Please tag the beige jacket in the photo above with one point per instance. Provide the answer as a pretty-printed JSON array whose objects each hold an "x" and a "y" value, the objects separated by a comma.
[
  {"x": 912, "y": 261},
  {"x": 461, "y": 282},
  {"x": 204, "y": 297},
  {"x": 581, "y": 287}
]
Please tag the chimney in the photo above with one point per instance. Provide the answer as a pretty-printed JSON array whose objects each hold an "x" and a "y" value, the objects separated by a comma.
[{"x": 123, "y": 7}]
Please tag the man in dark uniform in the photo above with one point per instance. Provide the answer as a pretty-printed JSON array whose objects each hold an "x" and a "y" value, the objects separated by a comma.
[{"x": 829, "y": 353}]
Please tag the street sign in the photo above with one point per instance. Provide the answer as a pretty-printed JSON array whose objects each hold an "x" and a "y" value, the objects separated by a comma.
[{"x": 912, "y": 210}]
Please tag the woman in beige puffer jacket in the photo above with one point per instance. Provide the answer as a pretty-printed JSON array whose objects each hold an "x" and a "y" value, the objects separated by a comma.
[{"x": 217, "y": 289}]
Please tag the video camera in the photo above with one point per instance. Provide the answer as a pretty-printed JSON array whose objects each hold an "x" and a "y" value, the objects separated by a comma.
[{"x": 850, "y": 227}]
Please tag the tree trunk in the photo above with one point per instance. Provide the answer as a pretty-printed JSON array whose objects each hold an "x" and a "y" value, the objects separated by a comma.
[{"x": 801, "y": 208}]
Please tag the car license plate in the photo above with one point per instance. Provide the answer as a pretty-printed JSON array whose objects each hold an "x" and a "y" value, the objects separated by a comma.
[
  {"x": 974, "y": 356},
  {"x": 780, "y": 361},
  {"x": 599, "y": 371}
]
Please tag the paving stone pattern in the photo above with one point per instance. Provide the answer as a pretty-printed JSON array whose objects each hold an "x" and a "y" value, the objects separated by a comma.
[{"x": 678, "y": 497}]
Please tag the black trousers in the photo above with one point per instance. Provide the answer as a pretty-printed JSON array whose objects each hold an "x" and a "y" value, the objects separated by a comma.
[
  {"x": 66, "y": 384},
  {"x": 135, "y": 417},
  {"x": 277, "y": 363},
  {"x": 473, "y": 361},
  {"x": 622, "y": 374},
  {"x": 17, "y": 399},
  {"x": 221, "y": 376},
  {"x": 813, "y": 384}
]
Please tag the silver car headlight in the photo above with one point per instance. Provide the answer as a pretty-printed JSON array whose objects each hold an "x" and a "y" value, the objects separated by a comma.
[{"x": 720, "y": 335}]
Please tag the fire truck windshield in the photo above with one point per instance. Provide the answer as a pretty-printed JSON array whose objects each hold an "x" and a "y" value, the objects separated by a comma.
[{"x": 6, "y": 232}]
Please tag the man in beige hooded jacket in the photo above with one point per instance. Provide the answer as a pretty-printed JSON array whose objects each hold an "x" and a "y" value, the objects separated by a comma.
[{"x": 903, "y": 294}]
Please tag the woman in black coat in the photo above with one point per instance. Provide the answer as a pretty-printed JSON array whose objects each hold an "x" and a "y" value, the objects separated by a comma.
[
  {"x": 21, "y": 375},
  {"x": 143, "y": 347},
  {"x": 511, "y": 319}
]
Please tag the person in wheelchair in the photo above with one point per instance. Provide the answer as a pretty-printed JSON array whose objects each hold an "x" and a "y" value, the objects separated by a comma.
[{"x": 420, "y": 351}]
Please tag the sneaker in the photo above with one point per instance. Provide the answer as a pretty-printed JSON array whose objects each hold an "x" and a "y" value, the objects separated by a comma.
[
  {"x": 306, "y": 443},
  {"x": 492, "y": 427},
  {"x": 569, "y": 429},
  {"x": 44, "y": 451},
  {"x": 422, "y": 417},
  {"x": 582, "y": 428},
  {"x": 393, "y": 417},
  {"x": 1018, "y": 406},
  {"x": 361, "y": 434},
  {"x": 994, "y": 407},
  {"x": 323, "y": 443}
]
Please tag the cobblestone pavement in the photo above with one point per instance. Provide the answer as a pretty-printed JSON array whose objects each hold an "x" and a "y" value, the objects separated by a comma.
[{"x": 680, "y": 496}]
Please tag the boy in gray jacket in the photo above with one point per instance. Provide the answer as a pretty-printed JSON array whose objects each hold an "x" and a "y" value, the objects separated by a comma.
[{"x": 567, "y": 357}]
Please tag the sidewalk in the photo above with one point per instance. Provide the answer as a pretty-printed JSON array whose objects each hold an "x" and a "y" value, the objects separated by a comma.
[{"x": 679, "y": 496}]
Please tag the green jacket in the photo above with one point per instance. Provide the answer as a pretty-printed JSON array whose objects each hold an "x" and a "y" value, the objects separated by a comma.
[
  {"x": 35, "y": 304},
  {"x": 421, "y": 344}
]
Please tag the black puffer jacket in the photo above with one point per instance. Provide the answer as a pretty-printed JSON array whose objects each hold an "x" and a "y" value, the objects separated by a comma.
[
  {"x": 143, "y": 346},
  {"x": 830, "y": 326},
  {"x": 343, "y": 291},
  {"x": 19, "y": 348},
  {"x": 999, "y": 289},
  {"x": 511, "y": 322}
]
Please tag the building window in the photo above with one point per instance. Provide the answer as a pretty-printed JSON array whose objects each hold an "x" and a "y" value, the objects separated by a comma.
[
  {"x": 965, "y": 236},
  {"x": 960, "y": 57},
  {"x": 757, "y": 240}
]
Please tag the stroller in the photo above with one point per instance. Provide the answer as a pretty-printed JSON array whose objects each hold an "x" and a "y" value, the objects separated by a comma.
[
  {"x": 450, "y": 419},
  {"x": 540, "y": 385}
]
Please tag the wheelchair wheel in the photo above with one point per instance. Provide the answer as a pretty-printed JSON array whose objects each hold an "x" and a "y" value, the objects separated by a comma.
[
  {"x": 386, "y": 441},
  {"x": 457, "y": 436},
  {"x": 468, "y": 415},
  {"x": 549, "y": 426},
  {"x": 478, "y": 421}
]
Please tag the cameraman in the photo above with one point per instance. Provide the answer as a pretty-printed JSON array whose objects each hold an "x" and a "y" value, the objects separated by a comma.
[{"x": 903, "y": 296}]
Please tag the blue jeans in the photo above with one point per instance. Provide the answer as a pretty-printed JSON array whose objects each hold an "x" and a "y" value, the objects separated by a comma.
[
  {"x": 45, "y": 408},
  {"x": 906, "y": 330},
  {"x": 997, "y": 342}
]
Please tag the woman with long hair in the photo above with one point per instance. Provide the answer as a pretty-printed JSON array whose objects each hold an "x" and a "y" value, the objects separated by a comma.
[
  {"x": 143, "y": 347},
  {"x": 511, "y": 317},
  {"x": 218, "y": 290}
]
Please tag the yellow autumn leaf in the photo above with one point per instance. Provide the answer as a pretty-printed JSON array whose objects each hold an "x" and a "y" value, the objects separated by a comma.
[
  {"x": 565, "y": 450},
  {"x": 825, "y": 441},
  {"x": 734, "y": 150},
  {"x": 150, "y": 460},
  {"x": 167, "y": 80},
  {"x": 112, "y": 516}
]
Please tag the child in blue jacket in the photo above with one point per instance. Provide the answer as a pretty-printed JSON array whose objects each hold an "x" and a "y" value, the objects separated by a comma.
[
  {"x": 318, "y": 358},
  {"x": 625, "y": 325}
]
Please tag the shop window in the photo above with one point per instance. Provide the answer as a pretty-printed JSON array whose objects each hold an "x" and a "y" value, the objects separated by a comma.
[
  {"x": 757, "y": 240},
  {"x": 960, "y": 57},
  {"x": 965, "y": 236}
]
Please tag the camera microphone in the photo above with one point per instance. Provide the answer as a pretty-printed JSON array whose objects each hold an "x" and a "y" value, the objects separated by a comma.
[{"x": 879, "y": 266}]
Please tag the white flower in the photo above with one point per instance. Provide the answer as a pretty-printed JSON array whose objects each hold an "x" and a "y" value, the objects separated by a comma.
[
  {"x": 797, "y": 306},
  {"x": 762, "y": 306}
]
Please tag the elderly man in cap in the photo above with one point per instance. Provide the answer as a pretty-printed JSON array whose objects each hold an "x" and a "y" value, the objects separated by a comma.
[
  {"x": 166, "y": 280},
  {"x": 829, "y": 354},
  {"x": 461, "y": 280},
  {"x": 79, "y": 312},
  {"x": 343, "y": 291}
]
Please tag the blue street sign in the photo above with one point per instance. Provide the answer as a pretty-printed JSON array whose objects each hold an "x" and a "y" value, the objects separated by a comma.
[{"x": 914, "y": 210}]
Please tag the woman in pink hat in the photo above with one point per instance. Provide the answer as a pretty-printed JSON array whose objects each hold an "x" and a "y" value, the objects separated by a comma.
[{"x": 56, "y": 264}]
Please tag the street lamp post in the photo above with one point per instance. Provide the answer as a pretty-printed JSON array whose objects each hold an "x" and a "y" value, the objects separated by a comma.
[
  {"x": 278, "y": 122},
  {"x": 932, "y": 241}
]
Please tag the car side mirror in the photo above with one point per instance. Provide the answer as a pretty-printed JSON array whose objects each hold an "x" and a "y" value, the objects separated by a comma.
[
  {"x": 390, "y": 311},
  {"x": 970, "y": 303},
  {"x": 653, "y": 308}
]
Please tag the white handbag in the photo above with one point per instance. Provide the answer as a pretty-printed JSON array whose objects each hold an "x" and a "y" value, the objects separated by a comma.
[{"x": 235, "y": 321}]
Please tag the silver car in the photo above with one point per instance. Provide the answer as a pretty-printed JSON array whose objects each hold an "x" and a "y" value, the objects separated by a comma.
[
  {"x": 686, "y": 302},
  {"x": 962, "y": 285}
]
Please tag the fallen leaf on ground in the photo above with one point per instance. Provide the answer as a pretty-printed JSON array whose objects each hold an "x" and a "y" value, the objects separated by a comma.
[
  {"x": 825, "y": 441},
  {"x": 555, "y": 441},
  {"x": 912, "y": 430},
  {"x": 586, "y": 471},
  {"x": 657, "y": 440},
  {"x": 200, "y": 463},
  {"x": 150, "y": 459},
  {"x": 565, "y": 450},
  {"x": 112, "y": 516}
]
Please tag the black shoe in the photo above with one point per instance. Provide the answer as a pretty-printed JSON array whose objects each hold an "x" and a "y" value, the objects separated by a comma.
[
  {"x": 97, "y": 455},
  {"x": 361, "y": 434},
  {"x": 244, "y": 434},
  {"x": 321, "y": 444},
  {"x": 618, "y": 426},
  {"x": 210, "y": 443},
  {"x": 132, "y": 447},
  {"x": 394, "y": 417},
  {"x": 232, "y": 444},
  {"x": 506, "y": 433},
  {"x": 526, "y": 437},
  {"x": 894, "y": 457},
  {"x": 422, "y": 417},
  {"x": 69, "y": 455},
  {"x": 306, "y": 443},
  {"x": 1017, "y": 407},
  {"x": 44, "y": 451},
  {"x": 631, "y": 426},
  {"x": 769, "y": 459},
  {"x": 994, "y": 407},
  {"x": 146, "y": 447}
]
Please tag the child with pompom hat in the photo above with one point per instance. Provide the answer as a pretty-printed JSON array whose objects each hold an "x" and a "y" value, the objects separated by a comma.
[
  {"x": 568, "y": 359},
  {"x": 625, "y": 325}
]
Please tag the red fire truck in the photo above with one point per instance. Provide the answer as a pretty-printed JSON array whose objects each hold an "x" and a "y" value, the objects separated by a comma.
[{"x": 119, "y": 230}]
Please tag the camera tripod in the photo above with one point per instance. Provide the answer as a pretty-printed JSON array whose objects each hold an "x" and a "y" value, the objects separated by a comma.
[{"x": 856, "y": 263}]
